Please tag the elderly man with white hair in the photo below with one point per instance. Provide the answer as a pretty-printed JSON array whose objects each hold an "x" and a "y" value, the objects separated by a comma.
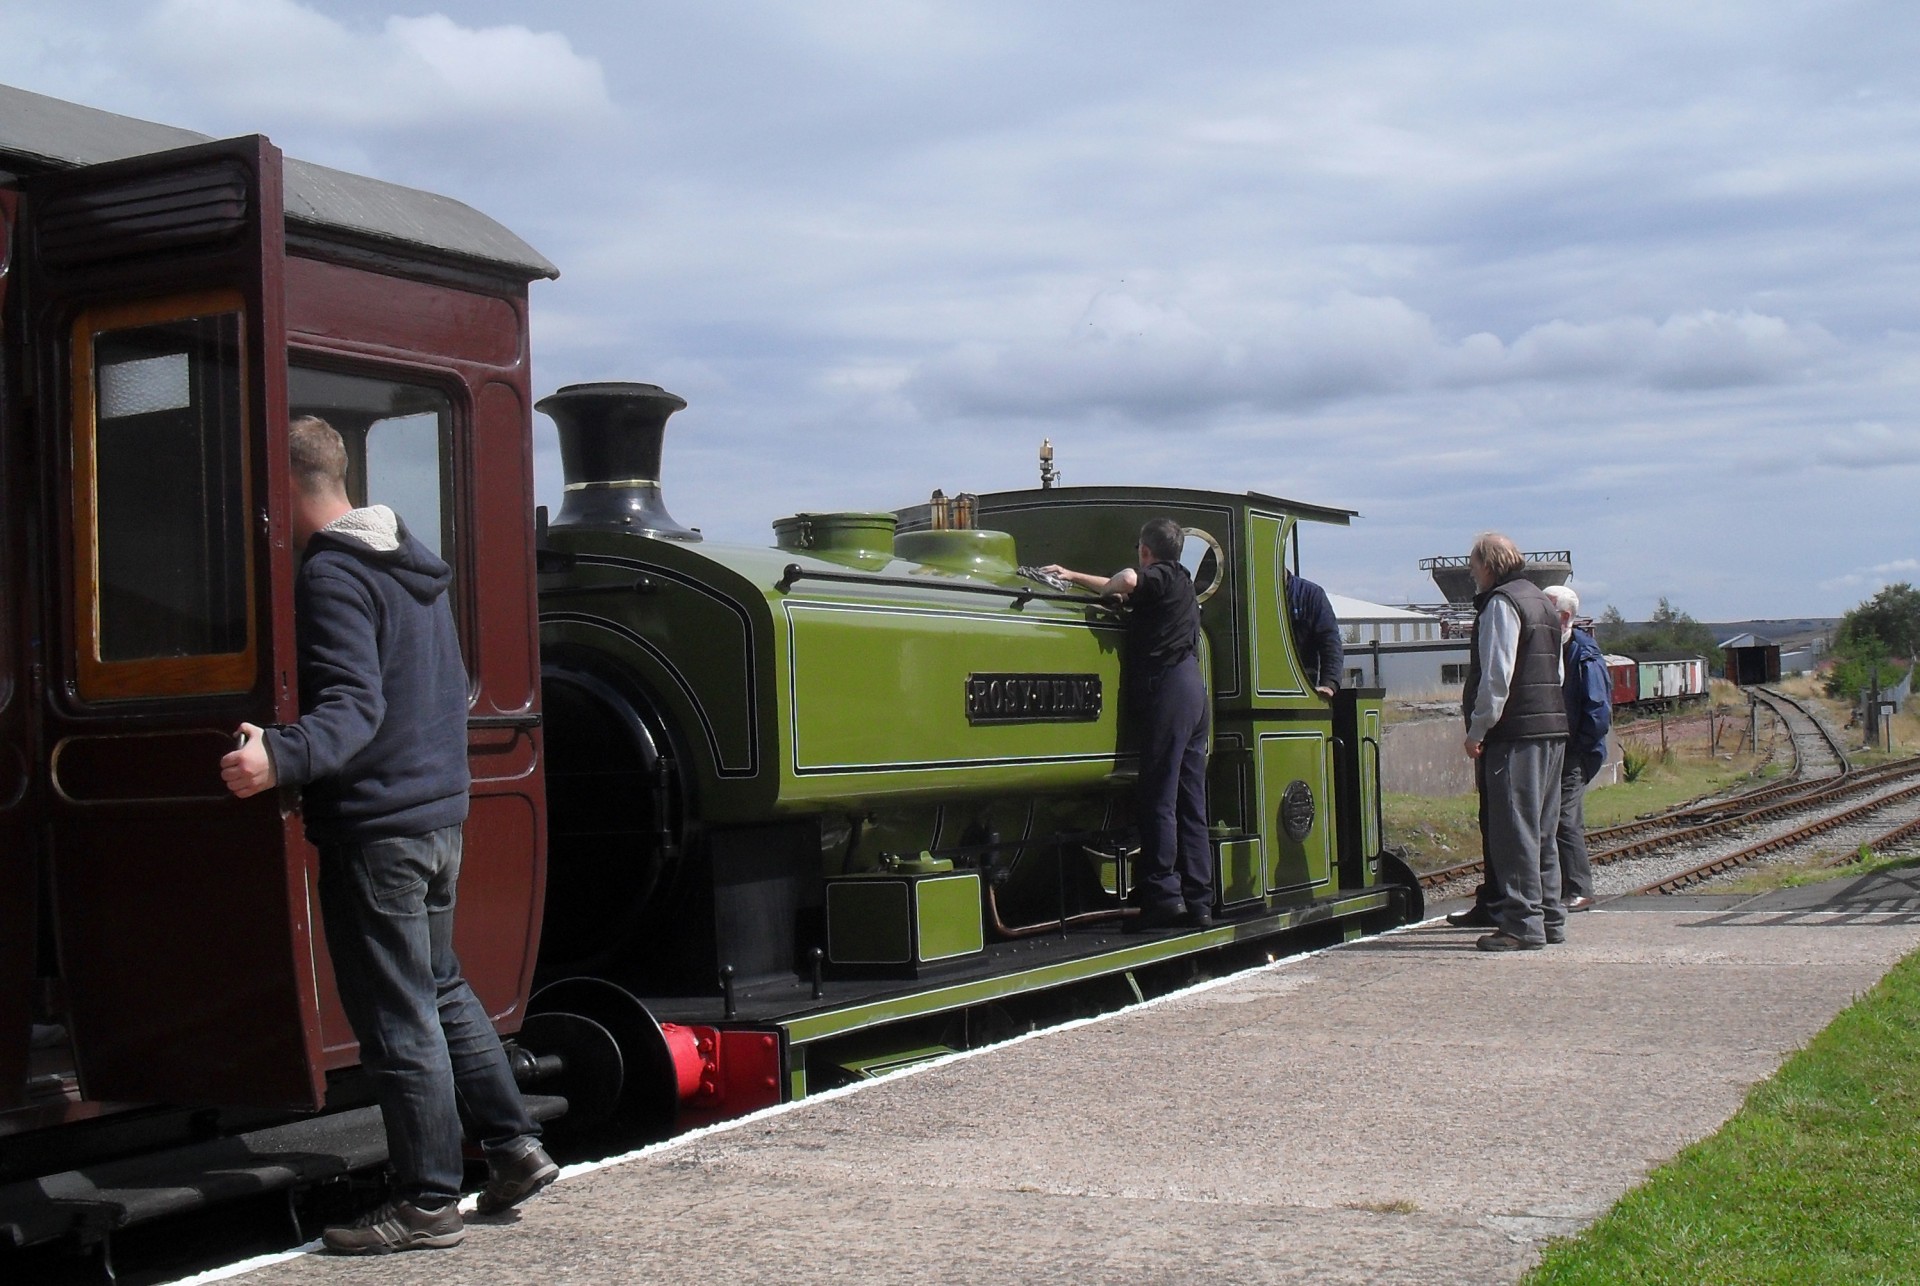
[
  {"x": 1589, "y": 700},
  {"x": 1517, "y": 729}
]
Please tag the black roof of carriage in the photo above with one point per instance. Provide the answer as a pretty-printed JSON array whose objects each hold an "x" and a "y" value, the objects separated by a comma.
[{"x": 39, "y": 133}]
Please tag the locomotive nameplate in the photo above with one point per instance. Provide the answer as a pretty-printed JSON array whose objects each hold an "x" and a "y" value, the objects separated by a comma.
[{"x": 1033, "y": 698}]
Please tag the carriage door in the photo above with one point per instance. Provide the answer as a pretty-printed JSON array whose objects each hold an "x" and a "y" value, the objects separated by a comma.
[
  {"x": 184, "y": 936},
  {"x": 17, "y": 868}
]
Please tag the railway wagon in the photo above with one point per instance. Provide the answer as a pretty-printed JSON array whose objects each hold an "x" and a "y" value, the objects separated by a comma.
[
  {"x": 1623, "y": 676},
  {"x": 1670, "y": 677},
  {"x": 748, "y": 820},
  {"x": 1656, "y": 679}
]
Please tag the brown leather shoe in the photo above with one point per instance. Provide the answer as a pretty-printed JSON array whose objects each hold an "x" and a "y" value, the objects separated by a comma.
[
  {"x": 1501, "y": 940},
  {"x": 514, "y": 1179},
  {"x": 1474, "y": 917},
  {"x": 397, "y": 1225},
  {"x": 1581, "y": 903}
]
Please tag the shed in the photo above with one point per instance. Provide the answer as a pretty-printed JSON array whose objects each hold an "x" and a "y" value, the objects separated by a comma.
[{"x": 1751, "y": 659}]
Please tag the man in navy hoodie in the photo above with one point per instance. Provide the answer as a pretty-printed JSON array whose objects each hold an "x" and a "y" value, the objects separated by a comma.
[{"x": 380, "y": 754}]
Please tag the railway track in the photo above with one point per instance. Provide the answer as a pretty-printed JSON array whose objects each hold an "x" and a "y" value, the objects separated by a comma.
[{"x": 1820, "y": 780}]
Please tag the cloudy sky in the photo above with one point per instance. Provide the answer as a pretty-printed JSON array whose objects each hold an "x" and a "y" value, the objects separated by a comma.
[{"x": 1637, "y": 280}]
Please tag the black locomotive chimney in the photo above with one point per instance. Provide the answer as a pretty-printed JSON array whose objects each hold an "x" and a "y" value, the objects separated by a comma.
[{"x": 610, "y": 437}]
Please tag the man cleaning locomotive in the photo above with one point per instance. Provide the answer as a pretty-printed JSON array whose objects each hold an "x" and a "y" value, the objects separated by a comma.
[
  {"x": 1169, "y": 702},
  {"x": 381, "y": 752}
]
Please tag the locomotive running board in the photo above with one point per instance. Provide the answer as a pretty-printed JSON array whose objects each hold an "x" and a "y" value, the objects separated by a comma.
[{"x": 1119, "y": 960}]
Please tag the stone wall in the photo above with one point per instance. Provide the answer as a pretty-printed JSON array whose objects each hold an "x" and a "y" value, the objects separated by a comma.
[{"x": 1424, "y": 757}]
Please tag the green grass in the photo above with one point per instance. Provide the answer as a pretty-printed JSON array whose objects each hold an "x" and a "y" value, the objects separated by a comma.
[
  {"x": 1442, "y": 831},
  {"x": 1815, "y": 1180},
  {"x": 1817, "y": 869}
]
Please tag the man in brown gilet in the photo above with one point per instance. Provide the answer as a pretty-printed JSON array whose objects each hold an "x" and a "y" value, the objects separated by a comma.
[{"x": 1517, "y": 727}]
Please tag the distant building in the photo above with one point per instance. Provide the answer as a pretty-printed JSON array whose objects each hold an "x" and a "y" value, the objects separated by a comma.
[
  {"x": 1800, "y": 646},
  {"x": 1751, "y": 659},
  {"x": 1454, "y": 579},
  {"x": 1404, "y": 651}
]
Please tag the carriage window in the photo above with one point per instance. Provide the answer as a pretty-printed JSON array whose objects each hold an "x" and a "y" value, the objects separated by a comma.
[
  {"x": 163, "y": 598},
  {"x": 399, "y": 443}
]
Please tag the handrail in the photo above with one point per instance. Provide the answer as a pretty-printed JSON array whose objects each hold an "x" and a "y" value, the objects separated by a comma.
[{"x": 794, "y": 573}]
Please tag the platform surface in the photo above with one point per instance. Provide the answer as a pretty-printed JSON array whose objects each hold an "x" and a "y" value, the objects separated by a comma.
[{"x": 1400, "y": 1109}]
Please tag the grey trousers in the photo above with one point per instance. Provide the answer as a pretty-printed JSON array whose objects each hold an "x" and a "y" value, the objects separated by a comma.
[
  {"x": 1522, "y": 816},
  {"x": 1576, "y": 872}
]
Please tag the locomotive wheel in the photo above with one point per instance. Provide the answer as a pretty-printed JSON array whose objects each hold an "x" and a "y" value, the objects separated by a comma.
[
  {"x": 647, "y": 1097},
  {"x": 592, "y": 1074},
  {"x": 1394, "y": 870}
]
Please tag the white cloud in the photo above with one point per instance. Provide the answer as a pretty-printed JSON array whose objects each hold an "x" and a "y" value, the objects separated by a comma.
[
  {"x": 1142, "y": 355},
  {"x": 1870, "y": 446},
  {"x": 286, "y": 59},
  {"x": 1867, "y": 581}
]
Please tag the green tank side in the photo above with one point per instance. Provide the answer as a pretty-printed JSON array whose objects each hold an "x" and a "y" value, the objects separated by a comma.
[{"x": 855, "y": 682}]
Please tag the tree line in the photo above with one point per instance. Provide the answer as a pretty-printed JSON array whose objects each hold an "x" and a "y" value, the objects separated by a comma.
[
  {"x": 1670, "y": 630},
  {"x": 1876, "y": 640}
]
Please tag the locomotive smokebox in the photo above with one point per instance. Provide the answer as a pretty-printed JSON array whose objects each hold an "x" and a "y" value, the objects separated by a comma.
[{"x": 610, "y": 438}]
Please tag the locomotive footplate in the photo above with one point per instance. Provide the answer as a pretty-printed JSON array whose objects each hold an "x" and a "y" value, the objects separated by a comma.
[{"x": 1048, "y": 978}]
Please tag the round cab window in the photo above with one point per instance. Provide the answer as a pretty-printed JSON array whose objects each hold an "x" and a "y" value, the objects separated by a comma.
[{"x": 1201, "y": 557}]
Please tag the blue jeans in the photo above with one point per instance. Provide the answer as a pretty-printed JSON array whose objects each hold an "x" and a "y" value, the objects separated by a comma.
[{"x": 425, "y": 1039}]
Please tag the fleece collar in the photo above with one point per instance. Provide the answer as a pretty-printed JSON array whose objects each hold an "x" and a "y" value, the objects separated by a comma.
[{"x": 376, "y": 527}]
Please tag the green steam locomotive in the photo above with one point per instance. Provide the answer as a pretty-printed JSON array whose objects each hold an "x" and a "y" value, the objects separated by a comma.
[{"x": 864, "y": 796}]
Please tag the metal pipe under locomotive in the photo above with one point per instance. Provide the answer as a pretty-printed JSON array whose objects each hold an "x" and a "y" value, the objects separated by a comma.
[{"x": 746, "y": 820}]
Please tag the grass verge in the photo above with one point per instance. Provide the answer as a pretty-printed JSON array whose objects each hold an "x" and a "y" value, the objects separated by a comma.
[
  {"x": 1821, "y": 866},
  {"x": 1813, "y": 1180},
  {"x": 1444, "y": 830}
]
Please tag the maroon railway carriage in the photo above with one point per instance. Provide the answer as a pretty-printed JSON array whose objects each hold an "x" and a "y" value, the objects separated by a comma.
[{"x": 166, "y": 303}]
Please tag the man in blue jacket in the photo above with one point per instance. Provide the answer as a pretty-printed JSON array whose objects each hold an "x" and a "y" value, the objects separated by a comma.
[
  {"x": 380, "y": 752},
  {"x": 1316, "y": 634},
  {"x": 1589, "y": 698}
]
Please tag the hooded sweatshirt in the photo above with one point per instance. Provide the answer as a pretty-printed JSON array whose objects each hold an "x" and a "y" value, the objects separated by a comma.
[{"x": 381, "y": 745}]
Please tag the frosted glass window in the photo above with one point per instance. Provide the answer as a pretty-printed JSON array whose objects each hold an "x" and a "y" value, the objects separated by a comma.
[{"x": 144, "y": 385}]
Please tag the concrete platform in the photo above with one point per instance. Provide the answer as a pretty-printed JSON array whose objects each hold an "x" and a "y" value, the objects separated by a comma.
[{"x": 1402, "y": 1109}]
